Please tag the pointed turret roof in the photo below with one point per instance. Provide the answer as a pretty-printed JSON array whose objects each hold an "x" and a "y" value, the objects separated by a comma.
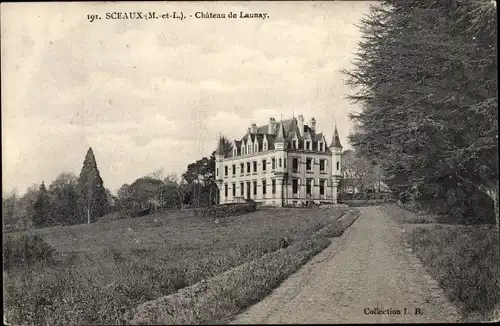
[
  {"x": 336, "y": 139},
  {"x": 280, "y": 136},
  {"x": 220, "y": 148}
]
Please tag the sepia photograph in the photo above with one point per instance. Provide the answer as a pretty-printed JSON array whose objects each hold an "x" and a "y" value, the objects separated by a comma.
[{"x": 253, "y": 162}]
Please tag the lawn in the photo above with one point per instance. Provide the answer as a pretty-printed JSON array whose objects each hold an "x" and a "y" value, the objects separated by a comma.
[{"x": 105, "y": 269}]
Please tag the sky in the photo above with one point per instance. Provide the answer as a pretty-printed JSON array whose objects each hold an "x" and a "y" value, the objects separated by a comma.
[{"x": 155, "y": 94}]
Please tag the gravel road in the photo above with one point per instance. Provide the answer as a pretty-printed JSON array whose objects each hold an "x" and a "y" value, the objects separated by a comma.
[{"x": 365, "y": 276}]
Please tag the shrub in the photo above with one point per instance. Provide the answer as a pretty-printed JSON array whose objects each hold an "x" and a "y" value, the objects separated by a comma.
[
  {"x": 25, "y": 249},
  {"x": 225, "y": 210},
  {"x": 337, "y": 228},
  {"x": 141, "y": 212}
]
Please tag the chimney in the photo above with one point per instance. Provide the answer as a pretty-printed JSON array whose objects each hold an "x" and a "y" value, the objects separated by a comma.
[
  {"x": 253, "y": 128},
  {"x": 272, "y": 126},
  {"x": 312, "y": 124},
  {"x": 301, "y": 124}
]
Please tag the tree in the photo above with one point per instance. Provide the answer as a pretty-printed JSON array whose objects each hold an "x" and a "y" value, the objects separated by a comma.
[
  {"x": 124, "y": 195},
  {"x": 64, "y": 196},
  {"x": 200, "y": 176},
  {"x": 173, "y": 191},
  {"x": 93, "y": 200},
  {"x": 26, "y": 207},
  {"x": 9, "y": 209},
  {"x": 112, "y": 201},
  {"x": 145, "y": 191},
  {"x": 42, "y": 209},
  {"x": 357, "y": 171},
  {"x": 426, "y": 74}
]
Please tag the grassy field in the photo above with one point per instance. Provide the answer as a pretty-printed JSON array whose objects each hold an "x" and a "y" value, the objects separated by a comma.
[
  {"x": 464, "y": 259},
  {"x": 105, "y": 269}
]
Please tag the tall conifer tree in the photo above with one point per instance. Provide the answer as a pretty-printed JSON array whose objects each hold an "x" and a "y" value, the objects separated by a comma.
[
  {"x": 92, "y": 199},
  {"x": 41, "y": 209}
]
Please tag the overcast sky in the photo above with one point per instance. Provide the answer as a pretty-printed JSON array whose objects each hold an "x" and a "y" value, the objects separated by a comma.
[{"x": 150, "y": 94}]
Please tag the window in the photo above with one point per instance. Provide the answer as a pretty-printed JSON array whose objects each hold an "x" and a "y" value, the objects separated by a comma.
[
  {"x": 242, "y": 189},
  {"x": 338, "y": 166},
  {"x": 308, "y": 145},
  {"x": 248, "y": 189},
  {"x": 294, "y": 144},
  {"x": 284, "y": 163},
  {"x": 322, "y": 165},
  {"x": 321, "y": 187},
  {"x": 295, "y": 164},
  {"x": 217, "y": 171},
  {"x": 225, "y": 190},
  {"x": 295, "y": 186},
  {"x": 234, "y": 169},
  {"x": 254, "y": 166},
  {"x": 273, "y": 163},
  {"x": 279, "y": 162},
  {"x": 248, "y": 167},
  {"x": 273, "y": 186},
  {"x": 234, "y": 189},
  {"x": 255, "y": 188},
  {"x": 309, "y": 186},
  {"x": 308, "y": 164},
  {"x": 264, "y": 187},
  {"x": 242, "y": 149},
  {"x": 264, "y": 165},
  {"x": 320, "y": 147},
  {"x": 242, "y": 168},
  {"x": 225, "y": 170}
]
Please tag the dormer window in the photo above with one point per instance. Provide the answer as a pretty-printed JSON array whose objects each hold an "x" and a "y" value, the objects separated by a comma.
[
  {"x": 308, "y": 145},
  {"x": 249, "y": 148},
  {"x": 235, "y": 152},
  {"x": 320, "y": 146},
  {"x": 294, "y": 144},
  {"x": 256, "y": 149},
  {"x": 265, "y": 146}
]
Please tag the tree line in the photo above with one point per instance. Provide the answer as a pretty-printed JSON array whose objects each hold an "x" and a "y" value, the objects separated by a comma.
[
  {"x": 72, "y": 199},
  {"x": 426, "y": 76}
]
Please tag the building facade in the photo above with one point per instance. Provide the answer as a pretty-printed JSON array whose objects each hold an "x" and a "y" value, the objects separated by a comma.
[{"x": 286, "y": 163}]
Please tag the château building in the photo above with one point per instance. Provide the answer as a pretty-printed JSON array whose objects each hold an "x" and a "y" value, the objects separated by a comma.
[{"x": 286, "y": 163}]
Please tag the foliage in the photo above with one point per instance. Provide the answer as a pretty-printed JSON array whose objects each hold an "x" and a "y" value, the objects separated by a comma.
[
  {"x": 42, "y": 208},
  {"x": 426, "y": 73},
  {"x": 25, "y": 249},
  {"x": 109, "y": 268},
  {"x": 464, "y": 259},
  {"x": 9, "y": 206},
  {"x": 357, "y": 172},
  {"x": 144, "y": 191},
  {"x": 200, "y": 176},
  {"x": 225, "y": 210},
  {"x": 64, "y": 197},
  {"x": 92, "y": 195},
  {"x": 337, "y": 227}
]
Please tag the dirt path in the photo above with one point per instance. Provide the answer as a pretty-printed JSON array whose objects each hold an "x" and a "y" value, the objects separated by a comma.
[{"x": 366, "y": 269}]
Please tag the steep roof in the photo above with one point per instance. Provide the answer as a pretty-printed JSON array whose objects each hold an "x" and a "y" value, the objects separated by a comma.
[
  {"x": 336, "y": 139},
  {"x": 285, "y": 131},
  {"x": 220, "y": 148},
  {"x": 280, "y": 135}
]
